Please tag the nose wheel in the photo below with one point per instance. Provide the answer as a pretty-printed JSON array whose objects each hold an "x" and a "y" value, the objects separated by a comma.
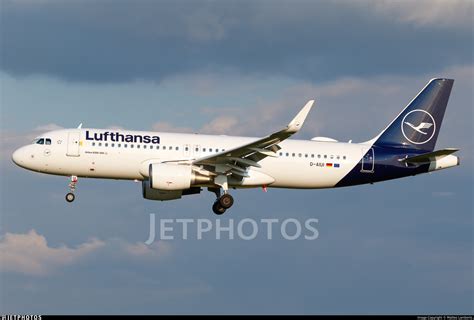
[
  {"x": 72, "y": 187},
  {"x": 70, "y": 197}
]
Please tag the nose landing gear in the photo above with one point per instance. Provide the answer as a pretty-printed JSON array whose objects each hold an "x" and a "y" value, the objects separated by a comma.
[{"x": 72, "y": 187}]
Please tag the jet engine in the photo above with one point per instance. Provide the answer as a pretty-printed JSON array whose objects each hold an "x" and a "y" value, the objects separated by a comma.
[{"x": 174, "y": 177}]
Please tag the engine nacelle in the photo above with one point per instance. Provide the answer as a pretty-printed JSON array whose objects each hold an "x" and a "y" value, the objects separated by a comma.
[
  {"x": 170, "y": 176},
  {"x": 174, "y": 177},
  {"x": 154, "y": 194},
  {"x": 163, "y": 195}
]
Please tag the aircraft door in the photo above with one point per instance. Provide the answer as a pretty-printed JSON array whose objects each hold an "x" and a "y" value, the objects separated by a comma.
[
  {"x": 368, "y": 161},
  {"x": 73, "y": 143}
]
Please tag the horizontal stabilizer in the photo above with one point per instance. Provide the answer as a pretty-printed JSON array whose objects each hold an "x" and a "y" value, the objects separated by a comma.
[{"x": 430, "y": 156}]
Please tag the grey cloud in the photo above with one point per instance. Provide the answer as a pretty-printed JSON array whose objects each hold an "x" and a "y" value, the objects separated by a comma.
[
  {"x": 29, "y": 253},
  {"x": 435, "y": 13},
  {"x": 123, "y": 40}
]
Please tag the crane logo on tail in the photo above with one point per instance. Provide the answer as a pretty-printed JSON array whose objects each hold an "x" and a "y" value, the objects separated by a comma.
[
  {"x": 418, "y": 126},
  {"x": 423, "y": 125}
]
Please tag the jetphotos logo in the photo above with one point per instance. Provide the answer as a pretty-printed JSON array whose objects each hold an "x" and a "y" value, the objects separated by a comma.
[
  {"x": 418, "y": 126},
  {"x": 230, "y": 229}
]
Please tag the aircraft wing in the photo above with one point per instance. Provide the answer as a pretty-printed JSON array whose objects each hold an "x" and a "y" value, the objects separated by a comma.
[{"x": 236, "y": 161}]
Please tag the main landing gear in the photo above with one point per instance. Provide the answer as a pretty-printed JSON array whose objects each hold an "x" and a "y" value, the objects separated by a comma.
[
  {"x": 72, "y": 187},
  {"x": 223, "y": 202}
]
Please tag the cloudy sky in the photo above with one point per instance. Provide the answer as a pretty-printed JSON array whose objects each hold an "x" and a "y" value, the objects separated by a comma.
[{"x": 244, "y": 68}]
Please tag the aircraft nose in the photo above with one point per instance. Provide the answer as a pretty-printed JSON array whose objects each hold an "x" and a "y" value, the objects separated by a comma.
[{"x": 18, "y": 156}]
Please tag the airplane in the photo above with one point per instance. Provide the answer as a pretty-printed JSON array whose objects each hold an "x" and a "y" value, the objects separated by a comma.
[{"x": 172, "y": 165}]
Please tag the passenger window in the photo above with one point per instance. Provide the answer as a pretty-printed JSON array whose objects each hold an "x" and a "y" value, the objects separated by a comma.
[
  {"x": 312, "y": 155},
  {"x": 119, "y": 145},
  {"x": 131, "y": 146},
  {"x": 100, "y": 144},
  {"x": 292, "y": 154},
  {"x": 93, "y": 143},
  {"x": 325, "y": 156},
  {"x": 186, "y": 149},
  {"x": 306, "y": 155},
  {"x": 125, "y": 145},
  {"x": 138, "y": 146},
  {"x": 337, "y": 157},
  {"x": 344, "y": 157},
  {"x": 319, "y": 156},
  {"x": 287, "y": 154},
  {"x": 144, "y": 146},
  {"x": 177, "y": 148},
  {"x": 106, "y": 144},
  {"x": 170, "y": 148},
  {"x": 299, "y": 155},
  {"x": 112, "y": 144}
]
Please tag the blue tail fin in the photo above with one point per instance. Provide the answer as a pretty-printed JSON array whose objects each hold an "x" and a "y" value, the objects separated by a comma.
[{"x": 417, "y": 126}]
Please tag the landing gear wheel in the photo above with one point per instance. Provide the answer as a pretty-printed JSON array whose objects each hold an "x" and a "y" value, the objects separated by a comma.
[
  {"x": 226, "y": 201},
  {"x": 70, "y": 197},
  {"x": 216, "y": 207}
]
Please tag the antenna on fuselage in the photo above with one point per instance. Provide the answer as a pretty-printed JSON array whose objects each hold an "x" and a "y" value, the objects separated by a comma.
[{"x": 79, "y": 126}]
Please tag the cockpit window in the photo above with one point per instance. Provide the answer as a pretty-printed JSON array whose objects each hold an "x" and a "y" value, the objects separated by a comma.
[{"x": 42, "y": 141}]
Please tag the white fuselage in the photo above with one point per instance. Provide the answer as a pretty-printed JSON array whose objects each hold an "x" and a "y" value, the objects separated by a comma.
[{"x": 300, "y": 163}]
